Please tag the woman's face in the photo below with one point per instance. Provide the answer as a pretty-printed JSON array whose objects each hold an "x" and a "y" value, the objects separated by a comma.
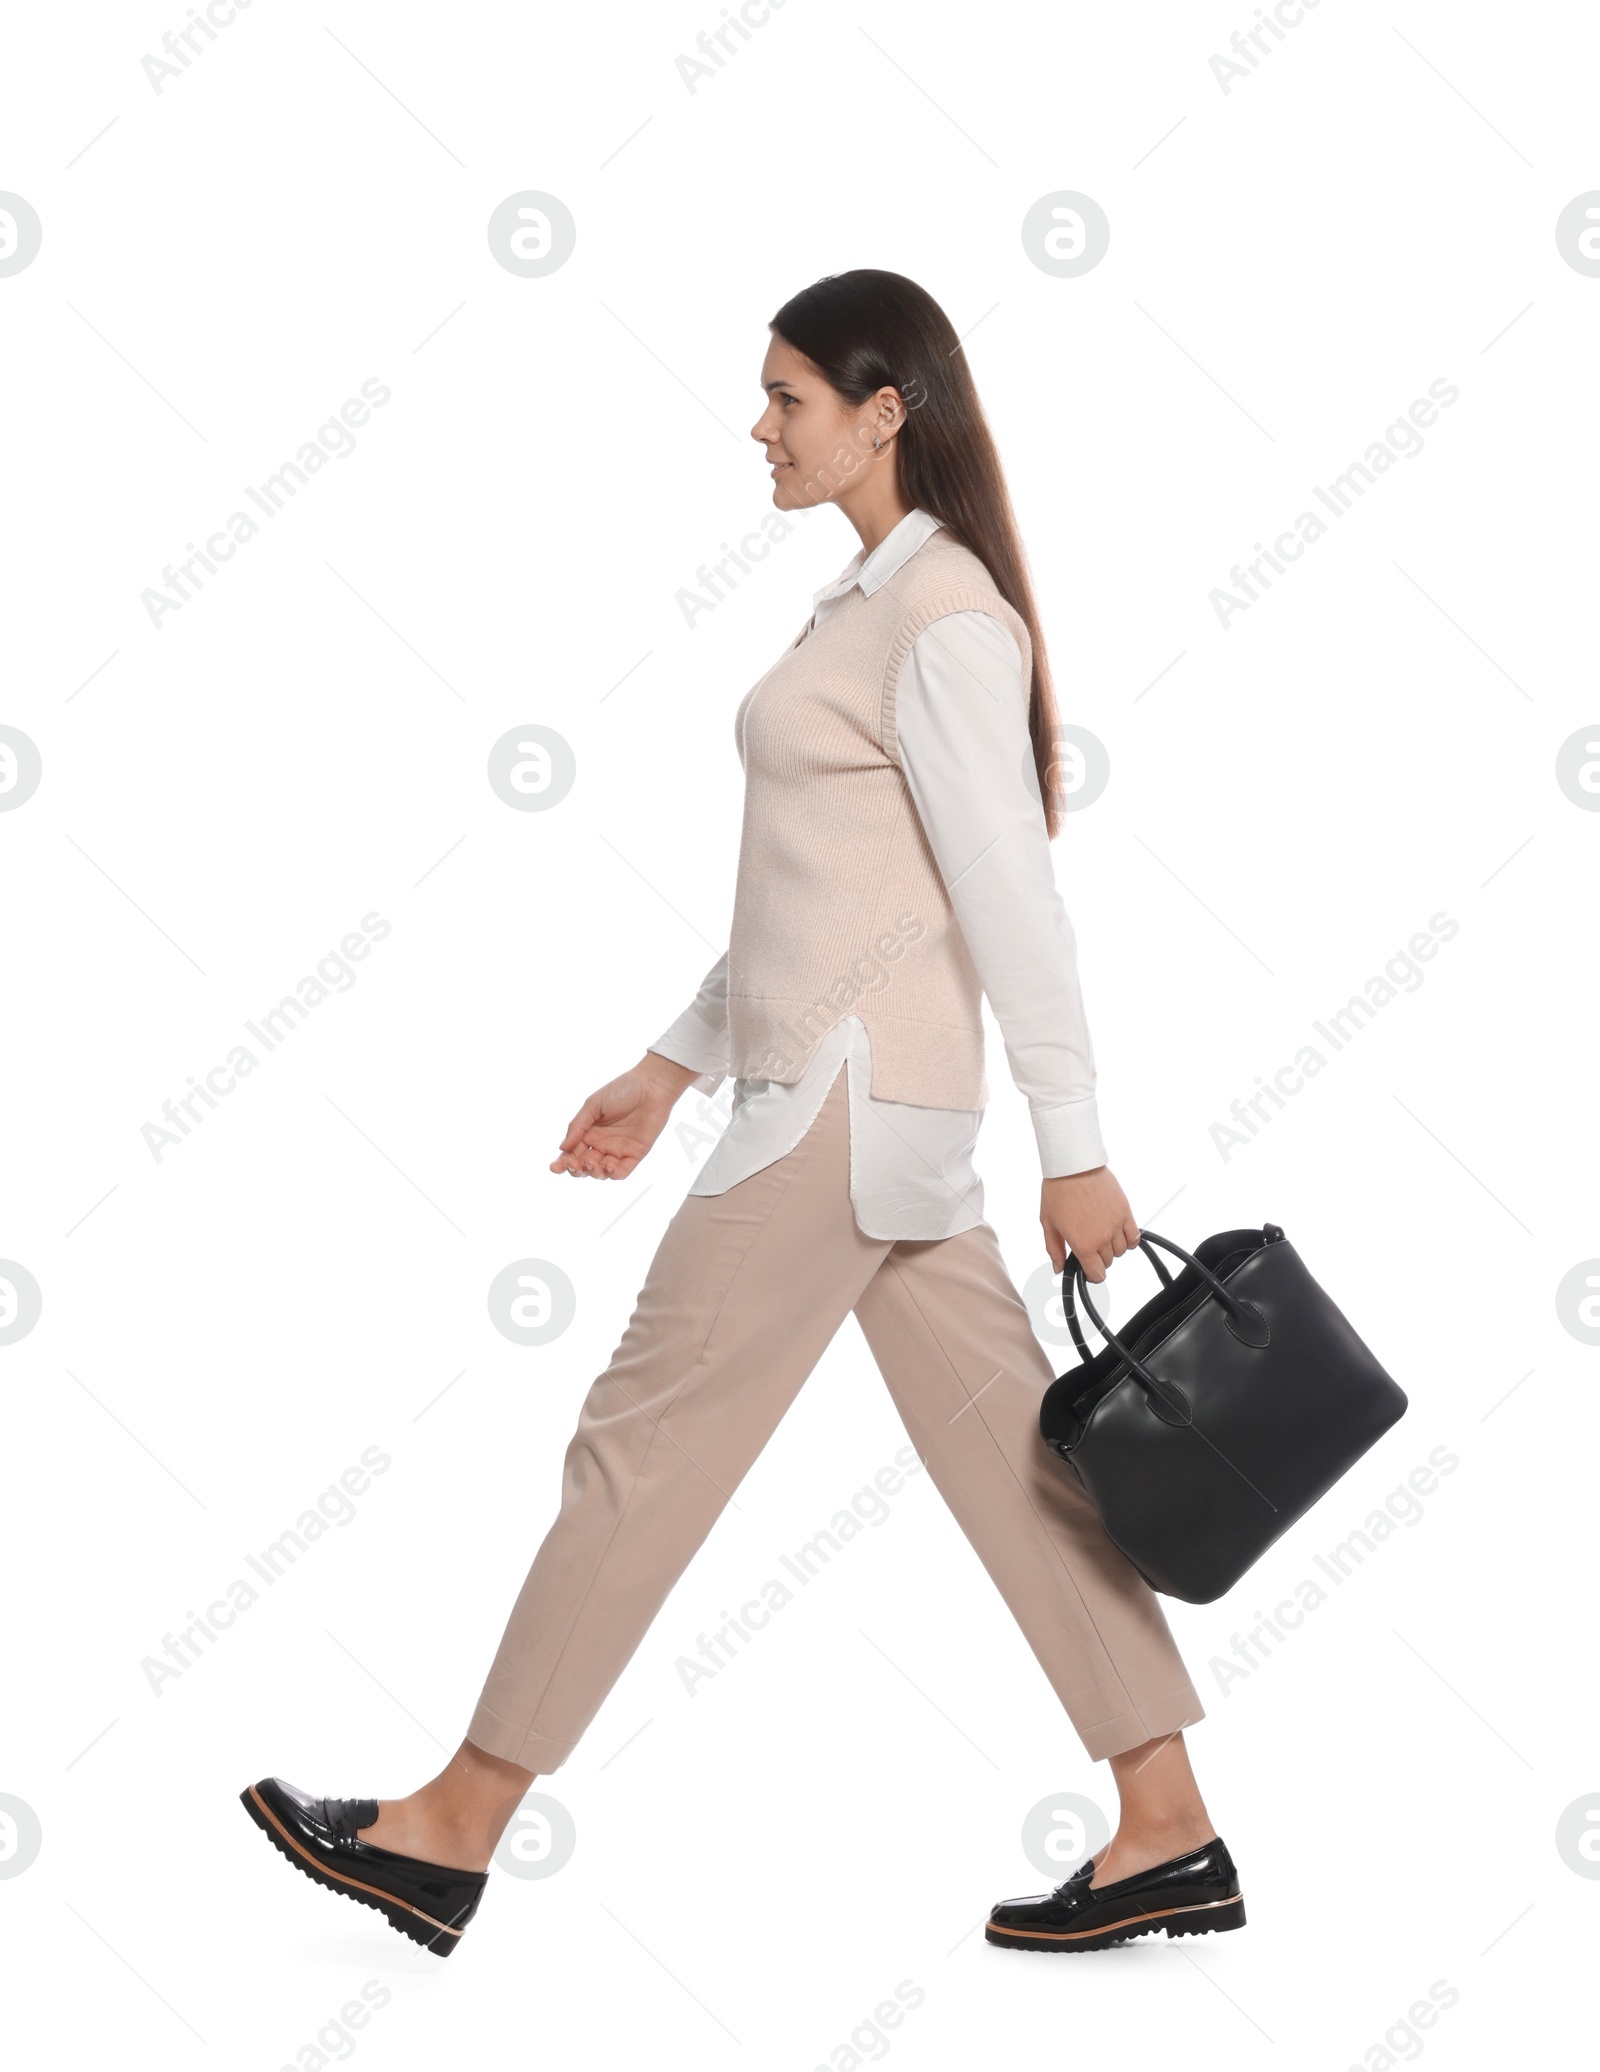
[{"x": 815, "y": 443}]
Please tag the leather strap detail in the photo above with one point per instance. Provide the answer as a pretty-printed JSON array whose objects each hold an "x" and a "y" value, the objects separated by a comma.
[{"x": 344, "y": 1817}]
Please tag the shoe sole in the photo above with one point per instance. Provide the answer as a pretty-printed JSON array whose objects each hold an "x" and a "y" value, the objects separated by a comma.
[
  {"x": 437, "y": 1936},
  {"x": 1209, "y": 1918}
]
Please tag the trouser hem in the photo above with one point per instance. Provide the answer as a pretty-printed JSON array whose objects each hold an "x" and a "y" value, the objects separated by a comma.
[
  {"x": 514, "y": 1743},
  {"x": 1132, "y": 1729}
]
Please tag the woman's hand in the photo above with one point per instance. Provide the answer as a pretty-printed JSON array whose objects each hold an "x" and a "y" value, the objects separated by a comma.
[
  {"x": 1087, "y": 1214},
  {"x": 615, "y": 1127}
]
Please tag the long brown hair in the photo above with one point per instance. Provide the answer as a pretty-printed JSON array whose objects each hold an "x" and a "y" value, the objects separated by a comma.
[{"x": 866, "y": 330}]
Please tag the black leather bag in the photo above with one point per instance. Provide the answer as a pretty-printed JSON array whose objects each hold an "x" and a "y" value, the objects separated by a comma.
[{"x": 1226, "y": 1406}]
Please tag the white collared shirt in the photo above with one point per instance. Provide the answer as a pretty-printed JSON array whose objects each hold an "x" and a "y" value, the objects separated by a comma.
[{"x": 962, "y": 721}]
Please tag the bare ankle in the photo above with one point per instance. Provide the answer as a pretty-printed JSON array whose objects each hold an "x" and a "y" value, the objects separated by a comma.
[{"x": 1164, "y": 1827}]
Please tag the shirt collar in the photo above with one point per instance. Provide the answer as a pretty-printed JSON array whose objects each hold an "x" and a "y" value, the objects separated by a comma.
[{"x": 872, "y": 571}]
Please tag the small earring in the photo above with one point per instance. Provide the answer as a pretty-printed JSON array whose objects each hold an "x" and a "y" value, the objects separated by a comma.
[{"x": 877, "y": 443}]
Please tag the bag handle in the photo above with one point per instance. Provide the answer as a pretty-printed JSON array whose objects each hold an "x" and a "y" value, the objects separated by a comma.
[
  {"x": 1071, "y": 1267},
  {"x": 1243, "y": 1319}
]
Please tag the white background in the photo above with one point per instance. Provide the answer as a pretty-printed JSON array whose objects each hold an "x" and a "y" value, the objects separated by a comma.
[{"x": 225, "y": 1329}]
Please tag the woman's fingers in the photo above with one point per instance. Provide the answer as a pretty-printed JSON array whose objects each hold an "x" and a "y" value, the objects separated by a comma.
[
  {"x": 587, "y": 1160},
  {"x": 579, "y": 1161},
  {"x": 1087, "y": 1215},
  {"x": 586, "y": 1117}
]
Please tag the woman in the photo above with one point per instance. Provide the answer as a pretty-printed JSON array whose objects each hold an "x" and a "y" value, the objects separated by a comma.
[{"x": 894, "y": 865}]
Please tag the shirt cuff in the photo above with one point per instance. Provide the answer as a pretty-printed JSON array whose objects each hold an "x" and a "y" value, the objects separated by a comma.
[
  {"x": 1069, "y": 1138},
  {"x": 694, "y": 1057}
]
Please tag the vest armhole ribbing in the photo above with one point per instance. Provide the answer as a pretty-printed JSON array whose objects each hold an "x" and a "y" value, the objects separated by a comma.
[{"x": 962, "y": 597}]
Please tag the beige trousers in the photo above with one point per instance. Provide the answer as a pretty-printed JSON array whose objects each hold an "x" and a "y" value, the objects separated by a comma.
[{"x": 742, "y": 1297}]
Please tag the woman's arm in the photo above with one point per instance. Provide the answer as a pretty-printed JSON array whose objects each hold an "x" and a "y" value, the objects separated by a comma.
[
  {"x": 962, "y": 723},
  {"x": 616, "y": 1126},
  {"x": 699, "y": 1037}
]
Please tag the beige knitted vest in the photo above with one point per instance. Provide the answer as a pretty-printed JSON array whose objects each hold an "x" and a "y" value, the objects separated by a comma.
[{"x": 839, "y": 907}]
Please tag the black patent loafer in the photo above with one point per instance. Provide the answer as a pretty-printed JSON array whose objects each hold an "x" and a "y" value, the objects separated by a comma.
[
  {"x": 1195, "y": 1894},
  {"x": 430, "y": 1902}
]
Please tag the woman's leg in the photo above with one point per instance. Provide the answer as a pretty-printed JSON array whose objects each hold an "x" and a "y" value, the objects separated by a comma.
[
  {"x": 1161, "y": 1814},
  {"x": 457, "y": 1817},
  {"x": 953, "y": 1341},
  {"x": 744, "y": 1293}
]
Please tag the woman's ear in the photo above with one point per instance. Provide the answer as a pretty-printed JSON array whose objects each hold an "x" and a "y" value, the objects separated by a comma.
[{"x": 889, "y": 412}]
